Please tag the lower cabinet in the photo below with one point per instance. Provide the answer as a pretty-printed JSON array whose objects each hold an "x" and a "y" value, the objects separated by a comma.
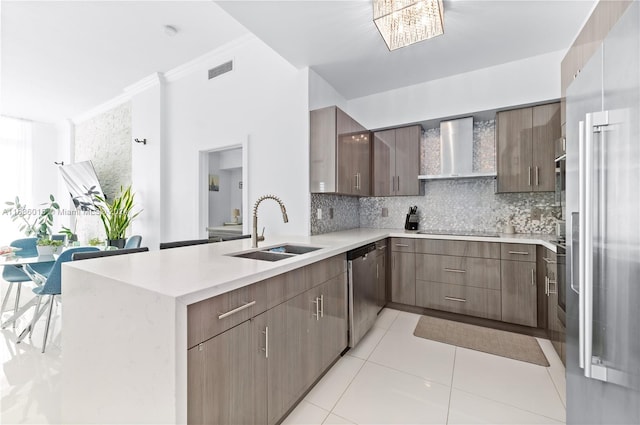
[
  {"x": 381, "y": 272},
  {"x": 226, "y": 379},
  {"x": 479, "y": 302},
  {"x": 519, "y": 292},
  {"x": 255, "y": 372}
]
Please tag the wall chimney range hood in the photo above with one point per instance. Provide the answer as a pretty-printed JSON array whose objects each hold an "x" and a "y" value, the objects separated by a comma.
[{"x": 456, "y": 151}]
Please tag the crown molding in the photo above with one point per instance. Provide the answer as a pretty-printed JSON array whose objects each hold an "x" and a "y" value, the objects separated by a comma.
[
  {"x": 197, "y": 64},
  {"x": 102, "y": 108},
  {"x": 206, "y": 60},
  {"x": 146, "y": 83}
]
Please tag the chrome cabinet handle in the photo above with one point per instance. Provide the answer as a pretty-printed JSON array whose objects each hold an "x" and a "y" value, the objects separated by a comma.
[
  {"x": 235, "y": 310},
  {"x": 398, "y": 177},
  {"x": 266, "y": 342},
  {"x": 549, "y": 260},
  {"x": 537, "y": 176},
  {"x": 402, "y": 245},
  {"x": 533, "y": 277},
  {"x": 322, "y": 305},
  {"x": 317, "y": 303},
  {"x": 382, "y": 247},
  {"x": 460, "y": 300},
  {"x": 546, "y": 285},
  {"x": 518, "y": 253},
  {"x": 454, "y": 270},
  {"x": 529, "y": 176}
]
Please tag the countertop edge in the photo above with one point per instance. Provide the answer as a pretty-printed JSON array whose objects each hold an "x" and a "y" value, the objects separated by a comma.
[{"x": 241, "y": 272}]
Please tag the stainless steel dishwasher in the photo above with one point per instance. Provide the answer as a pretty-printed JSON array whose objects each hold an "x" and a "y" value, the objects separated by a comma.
[{"x": 363, "y": 292}]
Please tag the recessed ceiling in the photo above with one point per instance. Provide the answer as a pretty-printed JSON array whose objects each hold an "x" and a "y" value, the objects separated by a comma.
[
  {"x": 60, "y": 59},
  {"x": 339, "y": 40}
]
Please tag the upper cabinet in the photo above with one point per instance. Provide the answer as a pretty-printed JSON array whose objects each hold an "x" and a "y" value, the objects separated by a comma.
[
  {"x": 396, "y": 161},
  {"x": 339, "y": 153},
  {"x": 526, "y": 148}
]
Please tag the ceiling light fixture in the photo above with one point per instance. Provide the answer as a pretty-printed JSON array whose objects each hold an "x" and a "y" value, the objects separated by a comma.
[{"x": 404, "y": 22}]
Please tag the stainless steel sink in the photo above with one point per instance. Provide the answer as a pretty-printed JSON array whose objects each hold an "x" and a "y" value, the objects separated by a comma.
[
  {"x": 292, "y": 249},
  {"x": 276, "y": 253},
  {"x": 264, "y": 255}
]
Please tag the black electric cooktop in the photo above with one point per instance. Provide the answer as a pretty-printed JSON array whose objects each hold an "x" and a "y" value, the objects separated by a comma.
[{"x": 459, "y": 233}]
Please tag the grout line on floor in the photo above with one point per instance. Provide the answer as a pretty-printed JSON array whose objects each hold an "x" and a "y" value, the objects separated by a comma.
[
  {"x": 347, "y": 387},
  {"x": 511, "y": 405},
  {"x": 453, "y": 371},
  {"x": 553, "y": 381}
]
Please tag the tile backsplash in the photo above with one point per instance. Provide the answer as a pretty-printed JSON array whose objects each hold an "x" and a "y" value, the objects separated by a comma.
[
  {"x": 346, "y": 213},
  {"x": 469, "y": 204},
  {"x": 463, "y": 204}
]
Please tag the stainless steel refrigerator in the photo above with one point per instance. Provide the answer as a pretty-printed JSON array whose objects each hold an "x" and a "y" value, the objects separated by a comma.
[{"x": 603, "y": 212}]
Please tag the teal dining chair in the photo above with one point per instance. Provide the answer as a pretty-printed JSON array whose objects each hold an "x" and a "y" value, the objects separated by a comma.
[
  {"x": 133, "y": 242},
  {"x": 51, "y": 286},
  {"x": 15, "y": 275}
]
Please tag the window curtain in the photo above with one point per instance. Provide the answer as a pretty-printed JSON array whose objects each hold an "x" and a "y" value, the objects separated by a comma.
[{"x": 15, "y": 172}]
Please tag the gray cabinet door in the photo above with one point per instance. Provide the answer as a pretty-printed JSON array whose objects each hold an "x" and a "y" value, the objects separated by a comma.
[
  {"x": 333, "y": 320},
  {"x": 403, "y": 277},
  {"x": 353, "y": 157},
  {"x": 514, "y": 141},
  {"x": 407, "y": 160},
  {"x": 384, "y": 163},
  {"x": 519, "y": 293},
  {"x": 381, "y": 273},
  {"x": 223, "y": 383},
  {"x": 546, "y": 129},
  {"x": 288, "y": 366}
]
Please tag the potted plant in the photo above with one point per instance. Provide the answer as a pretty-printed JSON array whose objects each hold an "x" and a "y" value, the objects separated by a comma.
[
  {"x": 96, "y": 242},
  {"x": 36, "y": 222},
  {"x": 71, "y": 237},
  {"x": 117, "y": 216},
  {"x": 47, "y": 246}
]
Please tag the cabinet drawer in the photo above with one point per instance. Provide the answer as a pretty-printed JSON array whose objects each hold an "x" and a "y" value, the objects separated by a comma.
[
  {"x": 324, "y": 270},
  {"x": 468, "y": 300},
  {"x": 210, "y": 317},
  {"x": 518, "y": 252},
  {"x": 458, "y": 248},
  {"x": 403, "y": 244},
  {"x": 469, "y": 271}
]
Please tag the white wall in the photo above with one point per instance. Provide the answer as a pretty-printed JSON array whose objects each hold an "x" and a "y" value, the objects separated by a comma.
[
  {"x": 46, "y": 179},
  {"x": 147, "y": 160},
  {"x": 263, "y": 100},
  {"x": 322, "y": 94},
  {"x": 515, "y": 83}
]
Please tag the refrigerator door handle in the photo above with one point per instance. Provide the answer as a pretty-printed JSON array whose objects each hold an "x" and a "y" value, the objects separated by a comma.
[
  {"x": 586, "y": 292},
  {"x": 593, "y": 122},
  {"x": 582, "y": 228}
]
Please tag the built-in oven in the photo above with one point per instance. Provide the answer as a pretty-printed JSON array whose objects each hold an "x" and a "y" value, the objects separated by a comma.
[{"x": 561, "y": 277}]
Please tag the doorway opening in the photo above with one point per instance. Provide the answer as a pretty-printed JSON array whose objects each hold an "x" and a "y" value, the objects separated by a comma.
[{"x": 223, "y": 199}]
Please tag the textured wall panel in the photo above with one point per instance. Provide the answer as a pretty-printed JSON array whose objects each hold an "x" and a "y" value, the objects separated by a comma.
[{"x": 105, "y": 140}]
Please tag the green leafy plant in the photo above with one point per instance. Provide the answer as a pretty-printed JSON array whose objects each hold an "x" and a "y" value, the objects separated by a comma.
[
  {"x": 33, "y": 221},
  {"x": 117, "y": 215},
  {"x": 71, "y": 237},
  {"x": 95, "y": 241},
  {"x": 49, "y": 242}
]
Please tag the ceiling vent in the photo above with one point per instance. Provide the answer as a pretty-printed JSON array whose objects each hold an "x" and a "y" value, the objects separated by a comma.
[{"x": 220, "y": 69}]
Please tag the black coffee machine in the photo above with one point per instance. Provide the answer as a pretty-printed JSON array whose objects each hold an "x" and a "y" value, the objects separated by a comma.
[{"x": 412, "y": 220}]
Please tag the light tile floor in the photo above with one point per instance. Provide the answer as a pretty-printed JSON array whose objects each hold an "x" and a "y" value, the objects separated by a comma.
[{"x": 391, "y": 377}]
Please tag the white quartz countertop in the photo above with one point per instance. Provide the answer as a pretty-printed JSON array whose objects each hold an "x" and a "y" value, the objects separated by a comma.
[{"x": 194, "y": 273}]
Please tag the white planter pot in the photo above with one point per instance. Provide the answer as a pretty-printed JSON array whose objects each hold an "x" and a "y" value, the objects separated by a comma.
[{"x": 48, "y": 250}]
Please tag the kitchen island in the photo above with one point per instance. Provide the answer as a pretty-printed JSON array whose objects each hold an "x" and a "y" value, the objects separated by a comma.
[{"x": 125, "y": 327}]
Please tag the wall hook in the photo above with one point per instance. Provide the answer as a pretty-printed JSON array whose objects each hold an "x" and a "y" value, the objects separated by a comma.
[
  {"x": 143, "y": 141},
  {"x": 59, "y": 163}
]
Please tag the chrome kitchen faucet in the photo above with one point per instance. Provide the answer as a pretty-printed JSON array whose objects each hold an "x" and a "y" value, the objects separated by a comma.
[{"x": 254, "y": 235}]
